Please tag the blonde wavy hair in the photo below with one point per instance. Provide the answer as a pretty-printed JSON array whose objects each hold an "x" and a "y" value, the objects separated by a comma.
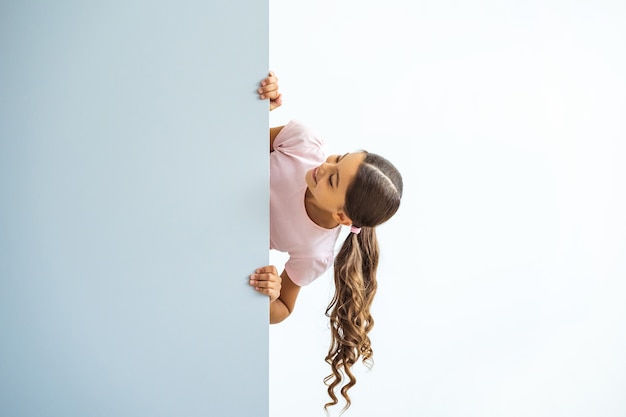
[{"x": 372, "y": 198}]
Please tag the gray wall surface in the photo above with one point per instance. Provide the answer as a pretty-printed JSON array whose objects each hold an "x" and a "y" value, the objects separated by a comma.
[{"x": 133, "y": 206}]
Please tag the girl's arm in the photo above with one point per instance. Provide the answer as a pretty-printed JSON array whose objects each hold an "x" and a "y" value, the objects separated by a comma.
[
  {"x": 269, "y": 90},
  {"x": 280, "y": 289},
  {"x": 282, "y": 307}
]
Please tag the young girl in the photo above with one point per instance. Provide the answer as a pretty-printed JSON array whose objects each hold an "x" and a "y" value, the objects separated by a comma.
[{"x": 311, "y": 196}]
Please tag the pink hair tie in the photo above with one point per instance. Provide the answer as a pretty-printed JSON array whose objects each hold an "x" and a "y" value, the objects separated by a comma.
[{"x": 355, "y": 230}]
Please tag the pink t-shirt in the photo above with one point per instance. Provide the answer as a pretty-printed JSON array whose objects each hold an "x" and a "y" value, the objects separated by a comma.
[{"x": 311, "y": 247}]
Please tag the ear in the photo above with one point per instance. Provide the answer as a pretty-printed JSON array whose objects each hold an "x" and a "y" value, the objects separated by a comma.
[{"x": 342, "y": 218}]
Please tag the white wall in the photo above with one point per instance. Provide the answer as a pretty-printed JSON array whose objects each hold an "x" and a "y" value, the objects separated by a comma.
[
  {"x": 502, "y": 278},
  {"x": 133, "y": 206}
]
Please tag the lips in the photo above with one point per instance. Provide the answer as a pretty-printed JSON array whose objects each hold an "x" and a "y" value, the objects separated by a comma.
[{"x": 315, "y": 175}]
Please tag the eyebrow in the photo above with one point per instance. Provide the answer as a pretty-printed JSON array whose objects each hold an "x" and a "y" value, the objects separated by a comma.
[{"x": 339, "y": 159}]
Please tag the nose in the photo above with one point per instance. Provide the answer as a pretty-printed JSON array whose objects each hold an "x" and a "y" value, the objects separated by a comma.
[
  {"x": 326, "y": 166},
  {"x": 322, "y": 169}
]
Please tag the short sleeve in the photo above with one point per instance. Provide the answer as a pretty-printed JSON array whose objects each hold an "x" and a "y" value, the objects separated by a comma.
[
  {"x": 296, "y": 138},
  {"x": 303, "y": 271}
]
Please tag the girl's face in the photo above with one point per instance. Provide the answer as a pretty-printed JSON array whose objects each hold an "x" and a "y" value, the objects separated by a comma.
[{"x": 329, "y": 181}]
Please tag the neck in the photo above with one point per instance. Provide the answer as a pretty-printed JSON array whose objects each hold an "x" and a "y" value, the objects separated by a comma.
[{"x": 318, "y": 215}]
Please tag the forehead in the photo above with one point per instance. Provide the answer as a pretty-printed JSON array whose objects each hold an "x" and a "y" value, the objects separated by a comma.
[
  {"x": 349, "y": 164},
  {"x": 352, "y": 158}
]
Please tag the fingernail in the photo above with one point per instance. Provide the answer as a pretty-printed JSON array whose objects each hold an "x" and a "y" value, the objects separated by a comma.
[{"x": 263, "y": 83}]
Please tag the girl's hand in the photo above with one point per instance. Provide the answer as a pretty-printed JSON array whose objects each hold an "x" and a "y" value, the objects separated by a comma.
[
  {"x": 269, "y": 89},
  {"x": 267, "y": 281}
]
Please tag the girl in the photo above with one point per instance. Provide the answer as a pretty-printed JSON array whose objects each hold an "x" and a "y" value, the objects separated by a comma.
[{"x": 311, "y": 196}]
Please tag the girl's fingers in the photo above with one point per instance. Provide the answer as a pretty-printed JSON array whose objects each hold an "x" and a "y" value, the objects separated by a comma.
[
  {"x": 273, "y": 295},
  {"x": 259, "y": 282},
  {"x": 271, "y": 79},
  {"x": 268, "y": 85},
  {"x": 270, "y": 92},
  {"x": 268, "y": 88},
  {"x": 271, "y": 95},
  {"x": 264, "y": 289},
  {"x": 265, "y": 280},
  {"x": 269, "y": 269}
]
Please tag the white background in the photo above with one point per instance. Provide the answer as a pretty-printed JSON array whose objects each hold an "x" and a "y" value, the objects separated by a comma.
[{"x": 501, "y": 285}]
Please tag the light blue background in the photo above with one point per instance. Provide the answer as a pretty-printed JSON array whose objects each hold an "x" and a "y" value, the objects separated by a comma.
[{"x": 133, "y": 207}]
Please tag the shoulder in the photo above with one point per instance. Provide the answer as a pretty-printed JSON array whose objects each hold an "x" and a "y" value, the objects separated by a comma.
[
  {"x": 314, "y": 257},
  {"x": 297, "y": 135},
  {"x": 305, "y": 270}
]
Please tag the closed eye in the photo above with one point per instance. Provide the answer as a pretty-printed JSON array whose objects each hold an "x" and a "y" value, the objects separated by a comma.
[
  {"x": 339, "y": 158},
  {"x": 330, "y": 177}
]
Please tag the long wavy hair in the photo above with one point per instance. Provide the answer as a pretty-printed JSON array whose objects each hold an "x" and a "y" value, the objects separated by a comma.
[{"x": 371, "y": 199}]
